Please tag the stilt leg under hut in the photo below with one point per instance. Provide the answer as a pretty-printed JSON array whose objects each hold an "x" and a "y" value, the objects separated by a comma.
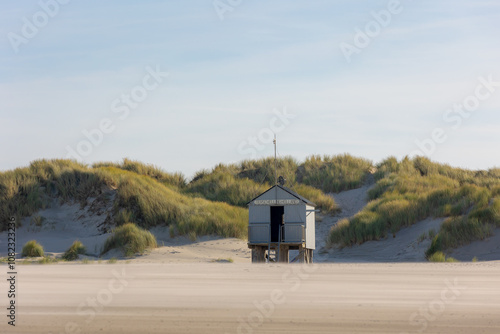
[{"x": 258, "y": 254}]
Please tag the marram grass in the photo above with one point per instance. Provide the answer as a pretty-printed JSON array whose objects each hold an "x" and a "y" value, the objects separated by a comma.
[
  {"x": 32, "y": 249},
  {"x": 441, "y": 257},
  {"x": 74, "y": 251},
  {"x": 130, "y": 239}
]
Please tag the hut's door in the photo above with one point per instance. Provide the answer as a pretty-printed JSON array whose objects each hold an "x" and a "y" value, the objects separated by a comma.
[{"x": 277, "y": 213}]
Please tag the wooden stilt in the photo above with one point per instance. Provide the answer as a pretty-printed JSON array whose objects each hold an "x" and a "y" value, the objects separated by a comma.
[
  {"x": 258, "y": 254},
  {"x": 302, "y": 254},
  {"x": 284, "y": 251}
]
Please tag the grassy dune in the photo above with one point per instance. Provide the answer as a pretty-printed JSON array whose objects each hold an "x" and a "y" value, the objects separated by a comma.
[
  {"x": 414, "y": 189},
  {"x": 24, "y": 191},
  {"x": 143, "y": 198}
]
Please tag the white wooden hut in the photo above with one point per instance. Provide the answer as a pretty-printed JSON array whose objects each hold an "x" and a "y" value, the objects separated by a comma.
[{"x": 281, "y": 220}]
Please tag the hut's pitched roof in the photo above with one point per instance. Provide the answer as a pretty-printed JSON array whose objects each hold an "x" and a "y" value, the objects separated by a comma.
[{"x": 288, "y": 190}]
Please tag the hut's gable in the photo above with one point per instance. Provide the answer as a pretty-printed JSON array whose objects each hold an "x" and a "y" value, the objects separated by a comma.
[{"x": 279, "y": 195}]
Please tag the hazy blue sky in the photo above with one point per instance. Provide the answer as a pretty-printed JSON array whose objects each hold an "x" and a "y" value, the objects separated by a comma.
[{"x": 69, "y": 68}]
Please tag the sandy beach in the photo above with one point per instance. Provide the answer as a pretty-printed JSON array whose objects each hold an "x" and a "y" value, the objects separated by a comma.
[{"x": 245, "y": 298}]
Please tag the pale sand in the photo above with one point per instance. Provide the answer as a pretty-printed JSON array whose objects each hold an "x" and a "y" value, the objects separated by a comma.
[
  {"x": 205, "y": 249},
  {"x": 221, "y": 298}
]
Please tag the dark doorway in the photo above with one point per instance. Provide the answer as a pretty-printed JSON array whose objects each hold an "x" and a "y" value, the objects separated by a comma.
[{"x": 277, "y": 213}]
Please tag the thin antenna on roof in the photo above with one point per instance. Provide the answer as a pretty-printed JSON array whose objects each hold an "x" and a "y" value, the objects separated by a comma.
[{"x": 275, "y": 162}]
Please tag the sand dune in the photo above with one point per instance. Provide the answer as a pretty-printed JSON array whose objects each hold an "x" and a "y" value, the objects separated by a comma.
[
  {"x": 65, "y": 223},
  {"x": 405, "y": 246}
]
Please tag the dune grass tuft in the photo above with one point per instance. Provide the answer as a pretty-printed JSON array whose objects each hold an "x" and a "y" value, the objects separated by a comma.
[
  {"x": 441, "y": 257},
  {"x": 130, "y": 239},
  {"x": 32, "y": 249},
  {"x": 436, "y": 246},
  {"x": 74, "y": 250}
]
